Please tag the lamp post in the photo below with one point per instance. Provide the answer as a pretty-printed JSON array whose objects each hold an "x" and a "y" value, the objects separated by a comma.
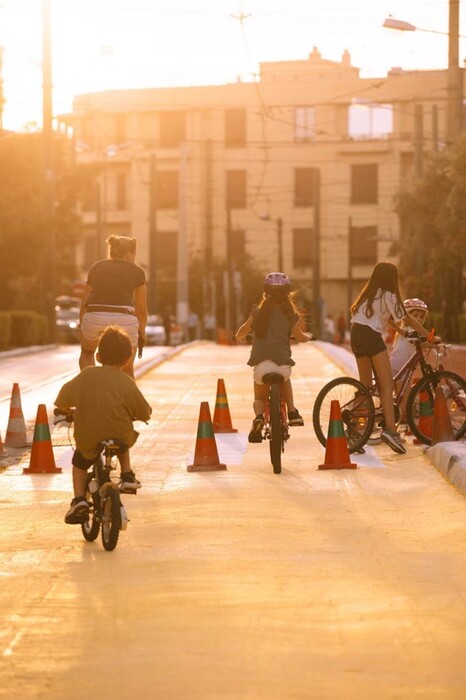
[{"x": 455, "y": 73}]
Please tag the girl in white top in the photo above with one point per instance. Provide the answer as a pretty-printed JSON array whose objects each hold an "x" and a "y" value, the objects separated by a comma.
[{"x": 379, "y": 304}]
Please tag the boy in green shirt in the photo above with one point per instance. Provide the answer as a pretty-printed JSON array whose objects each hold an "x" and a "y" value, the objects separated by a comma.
[{"x": 106, "y": 401}]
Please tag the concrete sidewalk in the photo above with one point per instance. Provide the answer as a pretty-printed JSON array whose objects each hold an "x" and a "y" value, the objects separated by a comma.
[{"x": 448, "y": 457}]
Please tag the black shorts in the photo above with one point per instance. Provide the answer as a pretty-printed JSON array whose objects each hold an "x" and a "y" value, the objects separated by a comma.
[
  {"x": 81, "y": 462},
  {"x": 365, "y": 341}
]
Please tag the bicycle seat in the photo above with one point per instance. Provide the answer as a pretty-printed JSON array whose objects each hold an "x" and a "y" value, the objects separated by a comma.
[
  {"x": 113, "y": 445},
  {"x": 272, "y": 378}
]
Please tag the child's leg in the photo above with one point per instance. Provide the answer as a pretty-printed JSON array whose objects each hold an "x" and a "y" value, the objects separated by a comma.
[
  {"x": 287, "y": 393},
  {"x": 125, "y": 463},
  {"x": 260, "y": 398},
  {"x": 384, "y": 373},
  {"x": 79, "y": 482},
  {"x": 365, "y": 370}
]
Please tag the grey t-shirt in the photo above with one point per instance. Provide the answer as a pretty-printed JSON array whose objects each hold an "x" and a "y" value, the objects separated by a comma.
[
  {"x": 275, "y": 345},
  {"x": 113, "y": 282}
]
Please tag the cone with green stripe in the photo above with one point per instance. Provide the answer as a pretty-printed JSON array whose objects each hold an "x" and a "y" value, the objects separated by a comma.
[
  {"x": 426, "y": 416},
  {"x": 222, "y": 419},
  {"x": 206, "y": 454},
  {"x": 336, "y": 451},
  {"x": 42, "y": 460}
]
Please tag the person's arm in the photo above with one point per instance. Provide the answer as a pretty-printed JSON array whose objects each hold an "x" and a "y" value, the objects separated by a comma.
[
  {"x": 245, "y": 329},
  {"x": 87, "y": 290},
  {"x": 300, "y": 335},
  {"x": 140, "y": 303},
  {"x": 419, "y": 328}
]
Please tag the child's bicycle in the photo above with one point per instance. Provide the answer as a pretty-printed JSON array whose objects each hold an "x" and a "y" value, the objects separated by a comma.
[
  {"x": 106, "y": 511},
  {"x": 275, "y": 420},
  {"x": 361, "y": 410}
]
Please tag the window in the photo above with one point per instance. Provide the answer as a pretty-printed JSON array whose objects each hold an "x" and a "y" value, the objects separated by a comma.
[
  {"x": 172, "y": 129},
  {"x": 235, "y": 128},
  {"x": 236, "y": 249},
  {"x": 302, "y": 247},
  {"x": 303, "y": 187},
  {"x": 166, "y": 189},
  {"x": 304, "y": 124},
  {"x": 367, "y": 120},
  {"x": 364, "y": 185},
  {"x": 121, "y": 192},
  {"x": 236, "y": 189},
  {"x": 363, "y": 245}
]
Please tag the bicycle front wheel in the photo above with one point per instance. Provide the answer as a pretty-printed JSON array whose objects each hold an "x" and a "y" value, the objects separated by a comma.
[
  {"x": 357, "y": 411},
  {"x": 421, "y": 400},
  {"x": 91, "y": 527},
  {"x": 111, "y": 518},
  {"x": 275, "y": 429}
]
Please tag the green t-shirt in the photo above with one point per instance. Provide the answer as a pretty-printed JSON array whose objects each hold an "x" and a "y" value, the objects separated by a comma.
[{"x": 105, "y": 402}]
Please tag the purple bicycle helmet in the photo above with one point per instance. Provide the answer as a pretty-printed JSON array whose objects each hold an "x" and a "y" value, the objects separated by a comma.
[{"x": 277, "y": 279}]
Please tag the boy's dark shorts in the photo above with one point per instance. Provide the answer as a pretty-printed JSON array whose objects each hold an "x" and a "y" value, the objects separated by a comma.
[
  {"x": 81, "y": 462},
  {"x": 365, "y": 341}
]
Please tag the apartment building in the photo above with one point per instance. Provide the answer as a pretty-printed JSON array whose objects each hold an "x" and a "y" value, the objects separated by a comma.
[{"x": 297, "y": 171}]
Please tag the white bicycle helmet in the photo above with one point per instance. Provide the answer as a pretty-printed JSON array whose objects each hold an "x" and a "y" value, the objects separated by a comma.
[
  {"x": 415, "y": 303},
  {"x": 277, "y": 279}
]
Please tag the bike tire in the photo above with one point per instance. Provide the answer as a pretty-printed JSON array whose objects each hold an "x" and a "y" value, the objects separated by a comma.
[
  {"x": 91, "y": 527},
  {"x": 111, "y": 518},
  {"x": 420, "y": 410},
  {"x": 358, "y": 420},
  {"x": 276, "y": 441}
]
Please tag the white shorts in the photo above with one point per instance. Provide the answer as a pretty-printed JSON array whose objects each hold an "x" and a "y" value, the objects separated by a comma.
[
  {"x": 94, "y": 322},
  {"x": 268, "y": 366}
]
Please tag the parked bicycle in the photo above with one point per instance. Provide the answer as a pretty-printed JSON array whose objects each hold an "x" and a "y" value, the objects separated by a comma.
[
  {"x": 361, "y": 409},
  {"x": 107, "y": 513}
]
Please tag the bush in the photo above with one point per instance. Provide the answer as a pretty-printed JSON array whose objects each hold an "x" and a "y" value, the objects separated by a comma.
[
  {"x": 5, "y": 330},
  {"x": 28, "y": 328}
]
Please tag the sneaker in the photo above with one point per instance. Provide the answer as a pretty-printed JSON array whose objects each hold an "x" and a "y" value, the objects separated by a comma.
[
  {"x": 129, "y": 483},
  {"x": 78, "y": 512},
  {"x": 294, "y": 418},
  {"x": 394, "y": 441},
  {"x": 255, "y": 434}
]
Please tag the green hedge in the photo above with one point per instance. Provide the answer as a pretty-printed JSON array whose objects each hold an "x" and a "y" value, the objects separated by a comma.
[{"x": 22, "y": 329}]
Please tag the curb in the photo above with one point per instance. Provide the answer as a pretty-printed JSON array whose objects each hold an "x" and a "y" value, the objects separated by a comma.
[{"x": 449, "y": 458}]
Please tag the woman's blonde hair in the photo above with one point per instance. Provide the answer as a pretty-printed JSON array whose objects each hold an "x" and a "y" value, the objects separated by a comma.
[{"x": 121, "y": 245}]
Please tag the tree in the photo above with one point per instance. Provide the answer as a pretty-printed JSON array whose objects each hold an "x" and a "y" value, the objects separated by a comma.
[
  {"x": 433, "y": 236},
  {"x": 22, "y": 230}
]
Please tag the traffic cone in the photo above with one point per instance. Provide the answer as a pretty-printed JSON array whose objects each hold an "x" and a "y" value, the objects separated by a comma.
[
  {"x": 206, "y": 454},
  {"x": 222, "y": 418},
  {"x": 442, "y": 429},
  {"x": 426, "y": 412},
  {"x": 3, "y": 452},
  {"x": 42, "y": 460},
  {"x": 336, "y": 452},
  {"x": 16, "y": 430}
]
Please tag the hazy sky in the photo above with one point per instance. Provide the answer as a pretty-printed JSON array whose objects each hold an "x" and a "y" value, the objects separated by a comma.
[{"x": 111, "y": 44}]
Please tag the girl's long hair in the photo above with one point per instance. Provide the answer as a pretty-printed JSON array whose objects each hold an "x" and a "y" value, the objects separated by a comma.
[
  {"x": 279, "y": 296},
  {"x": 385, "y": 277}
]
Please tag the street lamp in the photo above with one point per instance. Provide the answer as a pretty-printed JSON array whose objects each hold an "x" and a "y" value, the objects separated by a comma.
[
  {"x": 279, "y": 222},
  {"x": 455, "y": 73}
]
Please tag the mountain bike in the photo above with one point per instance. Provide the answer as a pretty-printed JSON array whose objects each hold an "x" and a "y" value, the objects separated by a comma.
[
  {"x": 361, "y": 409},
  {"x": 275, "y": 420},
  {"x": 107, "y": 513}
]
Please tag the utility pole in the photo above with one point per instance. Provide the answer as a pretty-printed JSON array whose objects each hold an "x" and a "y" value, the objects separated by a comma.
[
  {"x": 280, "y": 243},
  {"x": 152, "y": 235},
  {"x": 350, "y": 265},
  {"x": 207, "y": 295},
  {"x": 418, "y": 140},
  {"x": 182, "y": 243},
  {"x": 455, "y": 74},
  {"x": 316, "y": 320},
  {"x": 49, "y": 266}
]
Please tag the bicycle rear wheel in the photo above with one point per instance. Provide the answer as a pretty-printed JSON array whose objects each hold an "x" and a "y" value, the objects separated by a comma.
[
  {"x": 420, "y": 406},
  {"x": 357, "y": 411},
  {"x": 111, "y": 518},
  {"x": 276, "y": 441}
]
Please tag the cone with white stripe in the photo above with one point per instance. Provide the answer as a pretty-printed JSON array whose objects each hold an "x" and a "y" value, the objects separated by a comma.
[{"x": 16, "y": 430}]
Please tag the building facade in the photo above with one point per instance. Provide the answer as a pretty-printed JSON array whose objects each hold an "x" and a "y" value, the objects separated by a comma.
[{"x": 297, "y": 171}]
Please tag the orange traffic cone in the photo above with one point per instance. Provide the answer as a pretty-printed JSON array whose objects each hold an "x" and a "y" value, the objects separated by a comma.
[
  {"x": 442, "y": 429},
  {"x": 206, "y": 454},
  {"x": 336, "y": 452},
  {"x": 426, "y": 412},
  {"x": 222, "y": 418},
  {"x": 42, "y": 460},
  {"x": 16, "y": 430},
  {"x": 2, "y": 449}
]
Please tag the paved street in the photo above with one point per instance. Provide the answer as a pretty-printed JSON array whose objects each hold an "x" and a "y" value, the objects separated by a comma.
[{"x": 238, "y": 583}]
